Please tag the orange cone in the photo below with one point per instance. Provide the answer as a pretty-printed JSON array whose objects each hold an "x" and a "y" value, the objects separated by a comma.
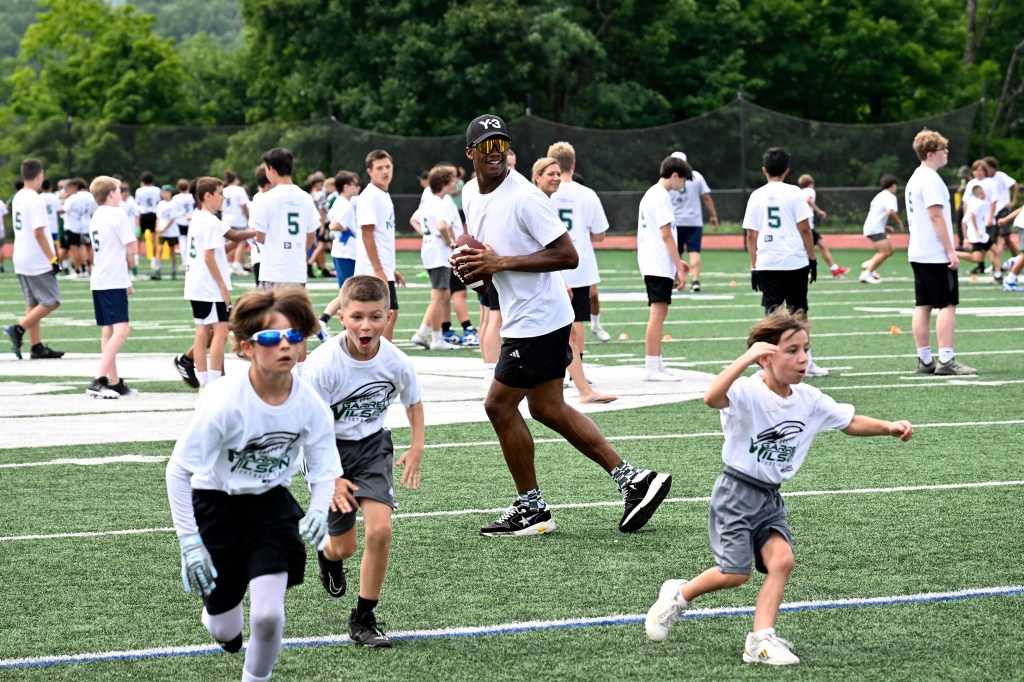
[{"x": 895, "y": 330}]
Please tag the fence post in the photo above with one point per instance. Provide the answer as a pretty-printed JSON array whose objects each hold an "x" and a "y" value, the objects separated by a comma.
[
  {"x": 984, "y": 117},
  {"x": 67, "y": 110},
  {"x": 743, "y": 153}
]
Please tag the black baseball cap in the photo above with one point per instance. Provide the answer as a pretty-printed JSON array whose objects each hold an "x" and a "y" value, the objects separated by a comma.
[{"x": 484, "y": 128}]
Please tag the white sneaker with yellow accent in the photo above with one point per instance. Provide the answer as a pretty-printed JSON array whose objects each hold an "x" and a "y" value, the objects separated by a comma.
[
  {"x": 768, "y": 649},
  {"x": 666, "y": 611}
]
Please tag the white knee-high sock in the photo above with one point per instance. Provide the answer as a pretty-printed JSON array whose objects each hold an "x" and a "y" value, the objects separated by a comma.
[
  {"x": 266, "y": 624},
  {"x": 224, "y": 626}
]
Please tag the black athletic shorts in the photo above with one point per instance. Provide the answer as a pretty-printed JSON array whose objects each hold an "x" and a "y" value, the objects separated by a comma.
[
  {"x": 1003, "y": 230},
  {"x": 659, "y": 289},
  {"x": 489, "y": 299},
  {"x": 455, "y": 284},
  {"x": 249, "y": 536},
  {"x": 581, "y": 304},
  {"x": 393, "y": 292},
  {"x": 524, "y": 363},
  {"x": 147, "y": 222},
  {"x": 935, "y": 285},
  {"x": 787, "y": 287},
  {"x": 815, "y": 237}
]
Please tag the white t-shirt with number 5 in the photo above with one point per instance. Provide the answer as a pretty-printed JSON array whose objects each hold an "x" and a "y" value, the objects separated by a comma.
[
  {"x": 773, "y": 211},
  {"x": 285, "y": 214},
  {"x": 111, "y": 231}
]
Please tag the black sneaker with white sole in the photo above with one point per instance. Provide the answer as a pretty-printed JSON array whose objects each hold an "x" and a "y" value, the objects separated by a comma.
[
  {"x": 519, "y": 519},
  {"x": 100, "y": 388},
  {"x": 365, "y": 630},
  {"x": 642, "y": 496},
  {"x": 186, "y": 367},
  {"x": 122, "y": 390},
  {"x": 332, "y": 575},
  {"x": 41, "y": 352}
]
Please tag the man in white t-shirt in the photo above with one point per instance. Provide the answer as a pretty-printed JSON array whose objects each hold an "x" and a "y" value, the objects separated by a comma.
[
  {"x": 689, "y": 218},
  {"x": 660, "y": 263},
  {"x": 375, "y": 214},
  {"x": 235, "y": 213},
  {"x": 526, "y": 247},
  {"x": 884, "y": 207},
  {"x": 34, "y": 263},
  {"x": 286, "y": 221},
  {"x": 147, "y": 196},
  {"x": 932, "y": 257},
  {"x": 1005, "y": 199}
]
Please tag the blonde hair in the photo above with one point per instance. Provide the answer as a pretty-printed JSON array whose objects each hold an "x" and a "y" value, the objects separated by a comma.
[
  {"x": 564, "y": 154},
  {"x": 439, "y": 177},
  {"x": 805, "y": 180},
  {"x": 928, "y": 141},
  {"x": 102, "y": 186},
  {"x": 253, "y": 310},
  {"x": 541, "y": 165},
  {"x": 364, "y": 289}
]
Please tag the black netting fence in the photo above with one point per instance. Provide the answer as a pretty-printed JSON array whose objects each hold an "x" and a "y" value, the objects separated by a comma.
[{"x": 725, "y": 145}]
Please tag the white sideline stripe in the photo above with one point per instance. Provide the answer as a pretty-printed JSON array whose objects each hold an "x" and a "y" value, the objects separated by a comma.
[
  {"x": 90, "y": 461},
  {"x": 525, "y": 626},
  {"x": 567, "y": 505}
]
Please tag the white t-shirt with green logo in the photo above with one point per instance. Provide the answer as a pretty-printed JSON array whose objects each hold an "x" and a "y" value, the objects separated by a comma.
[
  {"x": 375, "y": 208},
  {"x": 28, "y": 213}
]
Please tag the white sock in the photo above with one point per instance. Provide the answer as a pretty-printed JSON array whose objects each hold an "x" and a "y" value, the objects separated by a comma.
[
  {"x": 224, "y": 626},
  {"x": 489, "y": 369},
  {"x": 215, "y": 374},
  {"x": 595, "y": 321},
  {"x": 945, "y": 355},
  {"x": 436, "y": 336},
  {"x": 425, "y": 330},
  {"x": 925, "y": 354},
  {"x": 266, "y": 624},
  {"x": 204, "y": 378},
  {"x": 652, "y": 363},
  {"x": 834, "y": 267},
  {"x": 1011, "y": 278},
  {"x": 764, "y": 632}
]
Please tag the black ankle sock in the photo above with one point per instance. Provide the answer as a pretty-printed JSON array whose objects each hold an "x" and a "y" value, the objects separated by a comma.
[
  {"x": 364, "y": 606},
  {"x": 325, "y": 318},
  {"x": 446, "y": 327},
  {"x": 466, "y": 324}
]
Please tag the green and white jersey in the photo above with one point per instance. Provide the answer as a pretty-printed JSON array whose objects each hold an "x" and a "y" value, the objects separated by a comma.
[{"x": 773, "y": 211}]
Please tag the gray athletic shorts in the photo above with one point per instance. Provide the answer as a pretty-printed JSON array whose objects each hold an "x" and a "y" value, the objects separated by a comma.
[
  {"x": 440, "y": 278},
  {"x": 744, "y": 511},
  {"x": 369, "y": 463},
  {"x": 41, "y": 289}
]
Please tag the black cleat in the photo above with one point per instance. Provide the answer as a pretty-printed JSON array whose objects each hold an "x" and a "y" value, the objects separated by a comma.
[
  {"x": 520, "y": 519},
  {"x": 232, "y": 647},
  {"x": 364, "y": 630},
  {"x": 15, "y": 334},
  {"x": 332, "y": 575},
  {"x": 41, "y": 352},
  {"x": 642, "y": 496},
  {"x": 187, "y": 369}
]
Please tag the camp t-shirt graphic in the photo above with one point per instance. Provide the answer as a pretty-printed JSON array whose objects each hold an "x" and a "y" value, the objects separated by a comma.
[
  {"x": 366, "y": 403},
  {"x": 263, "y": 457},
  {"x": 767, "y": 436}
]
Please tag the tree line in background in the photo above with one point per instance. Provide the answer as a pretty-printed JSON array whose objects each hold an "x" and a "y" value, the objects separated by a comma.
[{"x": 425, "y": 67}]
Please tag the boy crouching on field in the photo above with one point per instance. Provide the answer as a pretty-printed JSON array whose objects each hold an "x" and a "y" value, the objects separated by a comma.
[
  {"x": 115, "y": 246},
  {"x": 359, "y": 374},
  {"x": 239, "y": 528},
  {"x": 769, "y": 420}
]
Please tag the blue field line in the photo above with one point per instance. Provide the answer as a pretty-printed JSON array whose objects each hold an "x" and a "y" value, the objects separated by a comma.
[{"x": 528, "y": 626}]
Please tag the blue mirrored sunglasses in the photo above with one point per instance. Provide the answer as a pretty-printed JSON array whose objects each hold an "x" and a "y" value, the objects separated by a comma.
[{"x": 272, "y": 337}]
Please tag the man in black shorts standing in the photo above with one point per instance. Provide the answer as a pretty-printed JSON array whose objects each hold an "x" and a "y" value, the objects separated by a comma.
[{"x": 527, "y": 246}]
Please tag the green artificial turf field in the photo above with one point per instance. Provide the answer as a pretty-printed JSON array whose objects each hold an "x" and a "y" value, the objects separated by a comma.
[{"x": 928, "y": 532}]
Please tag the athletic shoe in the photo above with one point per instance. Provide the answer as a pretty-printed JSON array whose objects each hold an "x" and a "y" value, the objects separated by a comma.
[
  {"x": 156, "y": 276},
  {"x": 664, "y": 613},
  {"x": 186, "y": 367},
  {"x": 233, "y": 646},
  {"x": 953, "y": 368},
  {"x": 642, "y": 496},
  {"x": 695, "y": 287},
  {"x": 324, "y": 333},
  {"x": 452, "y": 338},
  {"x": 814, "y": 371},
  {"x": 365, "y": 631},
  {"x": 469, "y": 337},
  {"x": 923, "y": 368},
  {"x": 839, "y": 272},
  {"x": 600, "y": 333},
  {"x": 420, "y": 340},
  {"x": 42, "y": 352},
  {"x": 441, "y": 345},
  {"x": 1012, "y": 286},
  {"x": 100, "y": 388},
  {"x": 332, "y": 575},
  {"x": 660, "y": 376},
  {"x": 768, "y": 649},
  {"x": 988, "y": 270},
  {"x": 16, "y": 336},
  {"x": 237, "y": 269},
  {"x": 122, "y": 390},
  {"x": 979, "y": 269},
  {"x": 865, "y": 265},
  {"x": 519, "y": 519},
  {"x": 868, "y": 277},
  {"x": 998, "y": 277}
]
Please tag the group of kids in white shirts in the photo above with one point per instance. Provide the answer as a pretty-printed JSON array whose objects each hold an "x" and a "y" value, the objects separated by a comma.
[{"x": 240, "y": 529}]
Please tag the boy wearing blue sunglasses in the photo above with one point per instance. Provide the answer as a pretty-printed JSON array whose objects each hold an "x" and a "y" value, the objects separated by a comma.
[
  {"x": 359, "y": 374},
  {"x": 238, "y": 526}
]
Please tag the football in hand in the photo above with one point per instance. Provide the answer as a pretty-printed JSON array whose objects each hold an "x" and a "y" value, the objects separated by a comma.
[{"x": 479, "y": 283}]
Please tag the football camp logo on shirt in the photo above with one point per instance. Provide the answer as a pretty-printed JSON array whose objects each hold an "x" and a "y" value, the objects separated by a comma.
[
  {"x": 771, "y": 444},
  {"x": 263, "y": 456},
  {"x": 366, "y": 403}
]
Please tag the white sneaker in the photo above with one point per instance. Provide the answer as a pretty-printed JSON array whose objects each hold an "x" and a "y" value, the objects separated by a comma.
[
  {"x": 865, "y": 265},
  {"x": 814, "y": 371},
  {"x": 869, "y": 277},
  {"x": 600, "y": 333},
  {"x": 660, "y": 376},
  {"x": 324, "y": 333},
  {"x": 665, "y": 612},
  {"x": 441, "y": 345},
  {"x": 420, "y": 340},
  {"x": 768, "y": 649}
]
